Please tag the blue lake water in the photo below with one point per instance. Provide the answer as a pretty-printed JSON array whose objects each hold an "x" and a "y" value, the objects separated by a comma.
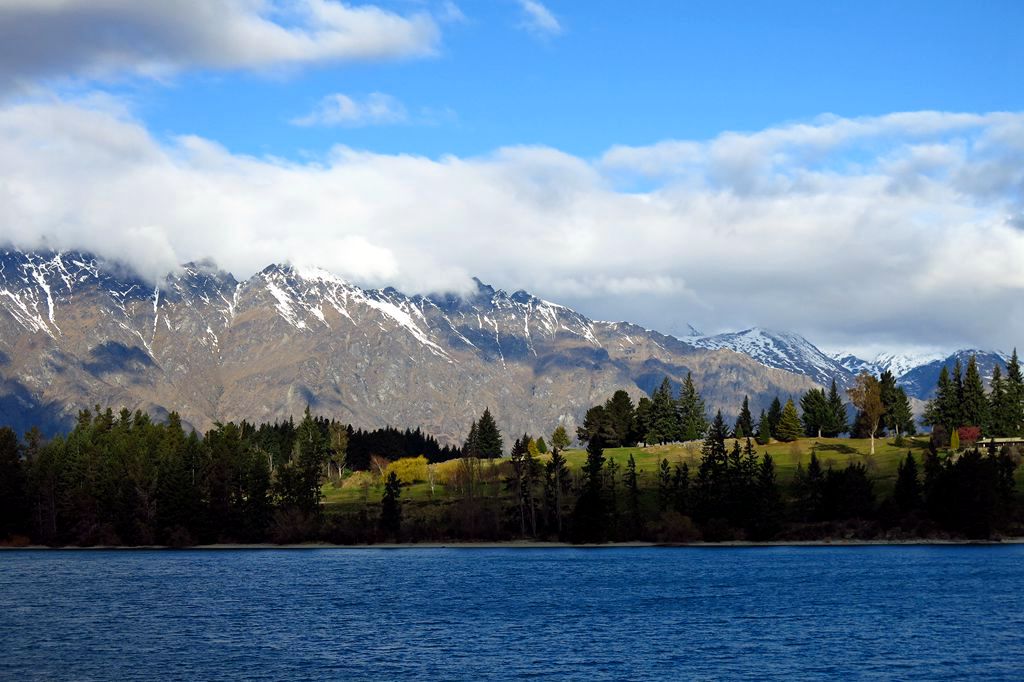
[{"x": 639, "y": 613}]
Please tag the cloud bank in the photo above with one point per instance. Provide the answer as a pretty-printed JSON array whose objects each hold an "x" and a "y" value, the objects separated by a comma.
[
  {"x": 901, "y": 230},
  {"x": 109, "y": 38}
]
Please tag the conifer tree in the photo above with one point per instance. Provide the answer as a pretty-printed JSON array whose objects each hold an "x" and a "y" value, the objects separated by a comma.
[
  {"x": 764, "y": 429},
  {"x": 692, "y": 417},
  {"x": 590, "y": 517},
  {"x": 887, "y": 392},
  {"x": 789, "y": 428},
  {"x": 1014, "y": 396},
  {"x": 643, "y": 418},
  {"x": 391, "y": 507},
  {"x": 767, "y": 520},
  {"x": 471, "y": 448},
  {"x": 621, "y": 417},
  {"x": 681, "y": 488},
  {"x": 837, "y": 423},
  {"x": 999, "y": 409},
  {"x": 944, "y": 409},
  {"x": 745, "y": 422},
  {"x": 634, "y": 515},
  {"x": 664, "y": 486},
  {"x": 556, "y": 481},
  {"x": 664, "y": 420},
  {"x": 711, "y": 475},
  {"x": 514, "y": 482},
  {"x": 817, "y": 413},
  {"x": 974, "y": 405},
  {"x": 775, "y": 416},
  {"x": 542, "y": 447},
  {"x": 907, "y": 494},
  {"x": 899, "y": 414},
  {"x": 489, "y": 441}
]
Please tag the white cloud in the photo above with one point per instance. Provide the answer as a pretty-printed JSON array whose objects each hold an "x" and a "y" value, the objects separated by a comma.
[
  {"x": 110, "y": 38},
  {"x": 376, "y": 108},
  {"x": 539, "y": 20},
  {"x": 896, "y": 231}
]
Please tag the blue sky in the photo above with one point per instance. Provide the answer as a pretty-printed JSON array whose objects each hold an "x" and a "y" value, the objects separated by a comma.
[
  {"x": 851, "y": 171},
  {"x": 623, "y": 73}
]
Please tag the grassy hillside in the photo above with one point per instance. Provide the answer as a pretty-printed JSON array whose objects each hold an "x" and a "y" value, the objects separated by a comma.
[{"x": 835, "y": 452}]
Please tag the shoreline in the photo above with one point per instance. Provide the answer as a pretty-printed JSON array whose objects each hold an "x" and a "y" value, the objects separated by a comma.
[{"x": 531, "y": 544}]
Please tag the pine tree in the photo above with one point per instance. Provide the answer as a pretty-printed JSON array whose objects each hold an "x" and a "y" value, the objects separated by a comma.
[
  {"x": 999, "y": 408},
  {"x": 634, "y": 515},
  {"x": 391, "y": 507},
  {"x": 664, "y": 486},
  {"x": 692, "y": 417},
  {"x": 837, "y": 422},
  {"x": 775, "y": 416},
  {"x": 556, "y": 481},
  {"x": 974, "y": 405},
  {"x": 621, "y": 417},
  {"x": 944, "y": 409},
  {"x": 471, "y": 448},
  {"x": 900, "y": 414},
  {"x": 664, "y": 420},
  {"x": 764, "y": 429},
  {"x": 745, "y": 422},
  {"x": 887, "y": 392},
  {"x": 711, "y": 475},
  {"x": 1014, "y": 396},
  {"x": 643, "y": 418},
  {"x": 767, "y": 521},
  {"x": 542, "y": 447},
  {"x": 681, "y": 488},
  {"x": 789, "y": 428},
  {"x": 907, "y": 494},
  {"x": 590, "y": 516},
  {"x": 816, "y": 412},
  {"x": 489, "y": 440},
  {"x": 514, "y": 482}
]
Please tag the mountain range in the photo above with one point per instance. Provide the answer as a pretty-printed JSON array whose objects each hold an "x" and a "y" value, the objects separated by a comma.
[{"x": 76, "y": 331}]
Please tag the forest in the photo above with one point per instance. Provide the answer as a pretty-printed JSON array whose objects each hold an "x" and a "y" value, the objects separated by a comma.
[{"x": 125, "y": 479}]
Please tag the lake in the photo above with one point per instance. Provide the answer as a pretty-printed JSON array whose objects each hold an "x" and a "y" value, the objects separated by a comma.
[{"x": 901, "y": 612}]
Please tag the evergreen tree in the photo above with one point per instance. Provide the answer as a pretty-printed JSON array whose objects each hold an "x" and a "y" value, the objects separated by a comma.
[
  {"x": 13, "y": 494},
  {"x": 489, "y": 441},
  {"x": 900, "y": 416},
  {"x": 531, "y": 477},
  {"x": 597, "y": 424},
  {"x": 471, "y": 448},
  {"x": 681, "y": 488},
  {"x": 767, "y": 520},
  {"x": 764, "y": 429},
  {"x": 621, "y": 417},
  {"x": 664, "y": 425},
  {"x": 664, "y": 486},
  {"x": 775, "y": 416},
  {"x": 907, "y": 494},
  {"x": 837, "y": 423},
  {"x": 634, "y": 514},
  {"x": 998, "y": 407},
  {"x": 542, "y": 447},
  {"x": 711, "y": 483},
  {"x": 590, "y": 515},
  {"x": 514, "y": 481},
  {"x": 391, "y": 507},
  {"x": 692, "y": 417},
  {"x": 643, "y": 418},
  {"x": 745, "y": 422},
  {"x": 974, "y": 405},
  {"x": 944, "y": 409},
  {"x": 1014, "y": 397},
  {"x": 789, "y": 428},
  {"x": 556, "y": 482},
  {"x": 887, "y": 393},
  {"x": 817, "y": 413},
  {"x": 809, "y": 490}
]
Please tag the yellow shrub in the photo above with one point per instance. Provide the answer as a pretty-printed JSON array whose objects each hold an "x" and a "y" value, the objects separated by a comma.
[{"x": 409, "y": 469}]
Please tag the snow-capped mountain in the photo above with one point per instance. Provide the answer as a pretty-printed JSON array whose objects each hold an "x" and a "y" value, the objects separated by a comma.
[
  {"x": 75, "y": 332},
  {"x": 781, "y": 350}
]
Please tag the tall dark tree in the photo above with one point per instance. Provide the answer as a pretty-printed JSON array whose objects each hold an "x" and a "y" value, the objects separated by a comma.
[
  {"x": 907, "y": 494},
  {"x": 622, "y": 419},
  {"x": 817, "y": 414},
  {"x": 764, "y": 429},
  {"x": 693, "y": 420},
  {"x": 643, "y": 418},
  {"x": 944, "y": 409},
  {"x": 745, "y": 422},
  {"x": 767, "y": 520},
  {"x": 974, "y": 406},
  {"x": 556, "y": 483},
  {"x": 13, "y": 494},
  {"x": 711, "y": 494},
  {"x": 514, "y": 482},
  {"x": 391, "y": 507},
  {"x": 489, "y": 440},
  {"x": 1014, "y": 396},
  {"x": 664, "y": 486},
  {"x": 775, "y": 416},
  {"x": 999, "y": 409},
  {"x": 590, "y": 516},
  {"x": 634, "y": 513},
  {"x": 887, "y": 392},
  {"x": 597, "y": 424},
  {"x": 664, "y": 422},
  {"x": 837, "y": 423}
]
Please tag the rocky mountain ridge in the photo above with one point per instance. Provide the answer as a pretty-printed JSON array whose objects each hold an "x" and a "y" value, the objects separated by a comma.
[{"x": 75, "y": 331}]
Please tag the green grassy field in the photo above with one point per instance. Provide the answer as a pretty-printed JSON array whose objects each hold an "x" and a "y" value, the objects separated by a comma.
[{"x": 835, "y": 452}]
